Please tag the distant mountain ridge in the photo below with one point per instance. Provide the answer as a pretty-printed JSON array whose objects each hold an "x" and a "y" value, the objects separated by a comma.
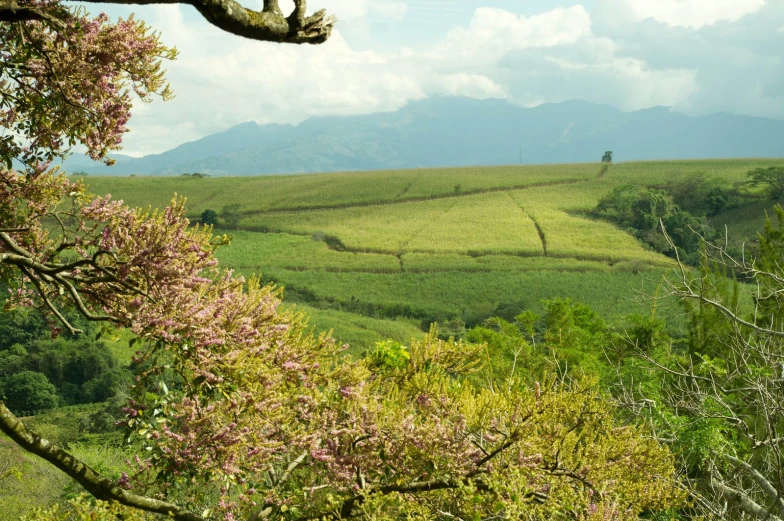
[{"x": 447, "y": 131}]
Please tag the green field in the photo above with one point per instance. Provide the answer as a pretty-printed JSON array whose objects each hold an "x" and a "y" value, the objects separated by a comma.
[{"x": 373, "y": 255}]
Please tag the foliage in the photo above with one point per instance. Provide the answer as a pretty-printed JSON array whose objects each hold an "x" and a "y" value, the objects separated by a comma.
[
  {"x": 238, "y": 409},
  {"x": 472, "y": 297},
  {"x": 568, "y": 338},
  {"x": 385, "y": 247},
  {"x": 607, "y": 157},
  {"x": 209, "y": 217},
  {"x": 771, "y": 177},
  {"x": 81, "y": 369},
  {"x": 646, "y": 210},
  {"x": 770, "y": 298},
  {"x": 233, "y": 387},
  {"x": 719, "y": 395},
  {"x": 103, "y": 63},
  {"x": 28, "y": 392},
  {"x": 83, "y": 508},
  {"x": 635, "y": 207},
  {"x": 698, "y": 194},
  {"x": 231, "y": 215}
]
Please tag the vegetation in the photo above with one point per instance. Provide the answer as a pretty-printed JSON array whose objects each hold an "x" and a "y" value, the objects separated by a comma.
[
  {"x": 231, "y": 215},
  {"x": 239, "y": 410},
  {"x": 771, "y": 177},
  {"x": 236, "y": 408},
  {"x": 209, "y": 217},
  {"x": 38, "y": 372},
  {"x": 208, "y": 373},
  {"x": 718, "y": 394},
  {"x": 357, "y": 242}
]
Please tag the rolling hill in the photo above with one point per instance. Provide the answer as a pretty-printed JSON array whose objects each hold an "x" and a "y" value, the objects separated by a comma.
[{"x": 376, "y": 255}]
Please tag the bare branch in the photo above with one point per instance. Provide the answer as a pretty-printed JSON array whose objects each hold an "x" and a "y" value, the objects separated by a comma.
[
  {"x": 683, "y": 288},
  {"x": 769, "y": 490},
  {"x": 738, "y": 498}
]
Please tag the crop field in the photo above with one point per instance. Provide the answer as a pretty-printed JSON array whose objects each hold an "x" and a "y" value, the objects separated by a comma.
[
  {"x": 295, "y": 192},
  {"x": 375, "y": 255}
]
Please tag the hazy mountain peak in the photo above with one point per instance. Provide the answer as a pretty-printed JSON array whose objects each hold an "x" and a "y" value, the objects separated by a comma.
[{"x": 458, "y": 131}]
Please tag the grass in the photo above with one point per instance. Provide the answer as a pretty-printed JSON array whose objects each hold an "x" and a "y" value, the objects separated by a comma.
[
  {"x": 486, "y": 223},
  {"x": 374, "y": 254},
  {"x": 430, "y": 262},
  {"x": 360, "y": 332},
  {"x": 659, "y": 172},
  {"x": 373, "y": 229},
  {"x": 742, "y": 224},
  {"x": 472, "y": 296},
  {"x": 265, "y": 193},
  {"x": 255, "y": 252},
  {"x": 35, "y": 483}
]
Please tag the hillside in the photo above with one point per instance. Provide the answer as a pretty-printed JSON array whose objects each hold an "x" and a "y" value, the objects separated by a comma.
[
  {"x": 384, "y": 254},
  {"x": 446, "y": 131}
]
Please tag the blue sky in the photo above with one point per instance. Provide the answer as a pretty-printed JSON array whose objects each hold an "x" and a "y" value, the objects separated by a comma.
[{"x": 697, "y": 56}]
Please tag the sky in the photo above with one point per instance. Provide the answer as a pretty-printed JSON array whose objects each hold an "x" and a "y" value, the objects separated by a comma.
[{"x": 696, "y": 56}]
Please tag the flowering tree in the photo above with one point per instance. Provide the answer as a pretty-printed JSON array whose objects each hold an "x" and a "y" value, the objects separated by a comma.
[{"x": 240, "y": 412}]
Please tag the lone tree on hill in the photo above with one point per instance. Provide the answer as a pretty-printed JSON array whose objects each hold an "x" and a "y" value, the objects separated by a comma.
[
  {"x": 239, "y": 412},
  {"x": 607, "y": 157}
]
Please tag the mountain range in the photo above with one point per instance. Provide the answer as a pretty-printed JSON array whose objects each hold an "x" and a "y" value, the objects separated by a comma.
[{"x": 450, "y": 131}]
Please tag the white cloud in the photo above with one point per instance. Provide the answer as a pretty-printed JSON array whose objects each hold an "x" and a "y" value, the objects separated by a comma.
[
  {"x": 390, "y": 9},
  {"x": 493, "y": 32},
  {"x": 469, "y": 85},
  {"x": 220, "y": 81},
  {"x": 593, "y": 70},
  {"x": 346, "y": 10},
  {"x": 691, "y": 13},
  {"x": 565, "y": 53}
]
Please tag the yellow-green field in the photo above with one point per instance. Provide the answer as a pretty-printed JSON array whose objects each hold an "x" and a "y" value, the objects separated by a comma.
[{"x": 376, "y": 254}]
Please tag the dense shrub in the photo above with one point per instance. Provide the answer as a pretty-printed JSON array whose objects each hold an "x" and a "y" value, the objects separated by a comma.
[
  {"x": 28, "y": 392},
  {"x": 642, "y": 210},
  {"x": 80, "y": 370},
  {"x": 209, "y": 217}
]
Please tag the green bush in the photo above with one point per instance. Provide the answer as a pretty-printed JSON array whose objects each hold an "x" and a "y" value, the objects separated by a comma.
[
  {"x": 209, "y": 217},
  {"x": 28, "y": 392}
]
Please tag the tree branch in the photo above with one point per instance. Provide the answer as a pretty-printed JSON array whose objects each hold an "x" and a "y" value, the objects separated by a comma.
[
  {"x": 738, "y": 498},
  {"x": 97, "y": 485},
  {"x": 269, "y": 24},
  {"x": 10, "y": 11},
  {"x": 413, "y": 488},
  {"x": 769, "y": 490},
  {"x": 48, "y": 302}
]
